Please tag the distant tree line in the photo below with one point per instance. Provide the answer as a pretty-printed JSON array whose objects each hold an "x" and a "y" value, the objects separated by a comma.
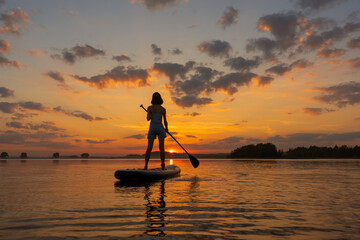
[{"x": 269, "y": 150}]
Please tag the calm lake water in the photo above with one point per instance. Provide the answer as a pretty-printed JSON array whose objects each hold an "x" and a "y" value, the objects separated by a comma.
[{"x": 222, "y": 199}]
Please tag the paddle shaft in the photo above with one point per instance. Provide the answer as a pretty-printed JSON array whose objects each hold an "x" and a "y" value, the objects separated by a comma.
[{"x": 169, "y": 134}]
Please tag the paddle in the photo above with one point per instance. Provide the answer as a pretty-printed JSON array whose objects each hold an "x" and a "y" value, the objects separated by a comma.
[{"x": 193, "y": 159}]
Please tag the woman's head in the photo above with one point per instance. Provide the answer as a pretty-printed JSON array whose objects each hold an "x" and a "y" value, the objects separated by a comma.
[{"x": 156, "y": 98}]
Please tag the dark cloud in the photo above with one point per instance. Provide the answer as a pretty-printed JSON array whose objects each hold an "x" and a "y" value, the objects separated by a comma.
[
  {"x": 242, "y": 64},
  {"x": 229, "y": 83},
  {"x": 282, "y": 68},
  {"x": 191, "y": 136},
  {"x": 122, "y": 58},
  {"x": 57, "y": 76},
  {"x": 137, "y": 136},
  {"x": 283, "y": 26},
  {"x": 71, "y": 55},
  {"x": 117, "y": 75},
  {"x": 78, "y": 114},
  {"x": 190, "y": 100},
  {"x": 265, "y": 45},
  {"x": 46, "y": 125},
  {"x": 39, "y": 139},
  {"x": 193, "y": 114},
  {"x": 352, "y": 27},
  {"x": 199, "y": 82},
  {"x": 6, "y": 62},
  {"x": 100, "y": 141},
  {"x": 340, "y": 95},
  {"x": 316, "y": 111},
  {"x": 330, "y": 53},
  {"x": 229, "y": 17},
  {"x": 155, "y": 49},
  {"x": 264, "y": 80},
  {"x": 4, "y": 46},
  {"x": 157, "y": 4},
  {"x": 308, "y": 139},
  {"x": 173, "y": 70},
  {"x": 354, "y": 43},
  {"x": 12, "y": 21},
  {"x": 317, "y": 4},
  {"x": 279, "y": 69},
  {"x": 2, "y": 2},
  {"x": 7, "y": 107},
  {"x": 176, "y": 51},
  {"x": 33, "y": 106},
  {"x": 215, "y": 48},
  {"x": 6, "y": 92},
  {"x": 20, "y": 116},
  {"x": 355, "y": 62}
]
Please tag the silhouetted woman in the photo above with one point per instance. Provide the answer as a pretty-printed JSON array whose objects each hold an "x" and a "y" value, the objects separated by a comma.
[{"x": 156, "y": 113}]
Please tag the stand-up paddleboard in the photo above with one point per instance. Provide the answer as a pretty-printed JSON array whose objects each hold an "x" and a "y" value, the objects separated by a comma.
[{"x": 150, "y": 174}]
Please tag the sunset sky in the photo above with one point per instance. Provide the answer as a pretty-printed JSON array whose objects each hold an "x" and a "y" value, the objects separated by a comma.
[{"x": 74, "y": 73}]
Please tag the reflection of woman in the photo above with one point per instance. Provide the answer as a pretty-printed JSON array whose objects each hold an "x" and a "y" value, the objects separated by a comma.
[
  {"x": 155, "y": 212},
  {"x": 155, "y": 113}
]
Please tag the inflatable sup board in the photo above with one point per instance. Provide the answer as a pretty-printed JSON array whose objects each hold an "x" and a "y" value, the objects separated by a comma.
[{"x": 150, "y": 174}]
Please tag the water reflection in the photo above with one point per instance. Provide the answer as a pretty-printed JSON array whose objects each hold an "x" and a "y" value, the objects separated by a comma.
[
  {"x": 155, "y": 211},
  {"x": 155, "y": 206}
]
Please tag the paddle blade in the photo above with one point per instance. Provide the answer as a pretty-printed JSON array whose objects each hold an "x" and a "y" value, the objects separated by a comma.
[{"x": 194, "y": 161}]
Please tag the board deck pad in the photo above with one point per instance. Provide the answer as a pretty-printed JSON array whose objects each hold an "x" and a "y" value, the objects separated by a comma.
[{"x": 155, "y": 173}]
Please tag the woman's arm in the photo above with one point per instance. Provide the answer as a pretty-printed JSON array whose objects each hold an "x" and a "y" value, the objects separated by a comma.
[
  {"x": 165, "y": 121},
  {"x": 148, "y": 117}
]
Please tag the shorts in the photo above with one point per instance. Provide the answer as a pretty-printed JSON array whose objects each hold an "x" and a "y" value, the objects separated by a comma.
[{"x": 156, "y": 130}]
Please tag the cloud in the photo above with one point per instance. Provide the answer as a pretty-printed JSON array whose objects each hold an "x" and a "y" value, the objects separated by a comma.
[
  {"x": 354, "y": 43},
  {"x": 316, "y": 111},
  {"x": 33, "y": 106},
  {"x": 45, "y": 125},
  {"x": 13, "y": 21},
  {"x": 190, "y": 100},
  {"x": 283, "y": 26},
  {"x": 176, "y": 51},
  {"x": 352, "y": 27},
  {"x": 340, "y": 95},
  {"x": 191, "y": 136},
  {"x": 193, "y": 114},
  {"x": 242, "y": 64},
  {"x": 70, "y": 56},
  {"x": 355, "y": 62},
  {"x": 6, "y": 62},
  {"x": 69, "y": 12},
  {"x": 308, "y": 139},
  {"x": 6, "y": 92},
  {"x": 265, "y": 45},
  {"x": 37, "y": 52},
  {"x": 215, "y": 48},
  {"x": 20, "y": 116},
  {"x": 122, "y": 58},
  {"x": 2, "y": 2},
  {"x": 330, "y": 53},
  {"x": 155, "y": 49},
  {"x": 281, "y": 69},
  {"x": 317, "y": 4},
  {"x": 137, "y": 136},
  {"x": 117, "y": 75},
  {"x": 7, "y": 107},
  {"x": 230, "y": 82},
  {"x": 78, "y": 114},
  {"x": 173, "y": 70},
  {"x": 100, "y": 141},
  {"x": 4, "y": 46},
  {"x": 229, "y": 17},
  {"x": 157, "y": 4},
  {"x": 57, "y": 76},
  {"x": 264, "y": 80}
]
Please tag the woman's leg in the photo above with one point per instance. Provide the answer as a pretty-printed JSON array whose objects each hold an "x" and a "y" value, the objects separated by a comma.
[
  {"x": 162, "y": 152},
  {"x": 148, "y": 152}
]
